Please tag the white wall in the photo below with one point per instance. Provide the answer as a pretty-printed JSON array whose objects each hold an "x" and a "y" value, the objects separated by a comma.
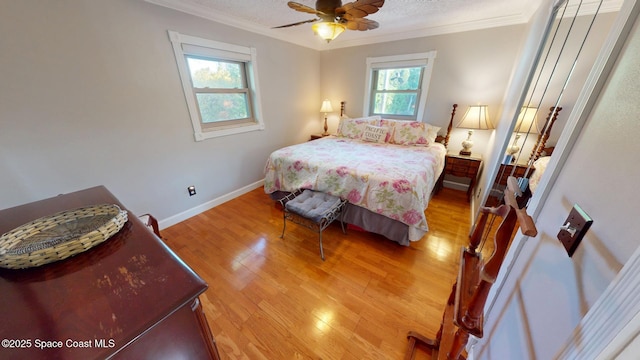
[
  {"x": 547, "y": 293},
  {"x": 90, "y": 95}
]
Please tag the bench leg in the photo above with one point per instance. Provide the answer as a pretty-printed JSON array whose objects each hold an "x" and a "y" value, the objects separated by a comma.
[
  {"x": 284, "y": 223},
  {"x": 321, "y": 250}
]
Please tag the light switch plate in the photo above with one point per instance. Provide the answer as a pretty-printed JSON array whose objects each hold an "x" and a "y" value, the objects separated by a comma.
[{"x": 578, "y": 222}]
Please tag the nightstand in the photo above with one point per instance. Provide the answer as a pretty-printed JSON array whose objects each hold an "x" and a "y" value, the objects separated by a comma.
[{"x": 463, "y": 166}]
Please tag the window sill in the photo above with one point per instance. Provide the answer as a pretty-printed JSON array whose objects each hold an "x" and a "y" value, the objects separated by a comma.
[{"x": 214, "y": 133}]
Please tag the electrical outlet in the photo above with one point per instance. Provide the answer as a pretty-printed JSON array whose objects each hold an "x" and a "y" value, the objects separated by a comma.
[
  {"x": 192, "y": 190},
  {"x": 574, "y": 228}
]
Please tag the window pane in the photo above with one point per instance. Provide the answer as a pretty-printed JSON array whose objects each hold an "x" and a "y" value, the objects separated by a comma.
[
  {"x": 222, "y": 107},
  {"x": 395, "y": 104},
  {"x": 399, "y": 79},
  {"x": 215, "y": 74}
]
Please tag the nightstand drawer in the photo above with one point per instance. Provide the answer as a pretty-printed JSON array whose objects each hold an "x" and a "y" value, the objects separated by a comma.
[
  {"x": 462, "y": 166},
  {"x": 461, "y": 171}
]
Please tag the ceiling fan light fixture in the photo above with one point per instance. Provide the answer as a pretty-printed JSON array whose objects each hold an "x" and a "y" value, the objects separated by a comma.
[{"x": 328, "y": 30}]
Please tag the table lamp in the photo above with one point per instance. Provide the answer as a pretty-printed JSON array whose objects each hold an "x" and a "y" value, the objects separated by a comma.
[
  {"x": 326, "y": 108},
  {"x": 527, "y": 123},
  {"x": 476, "y": 118}
]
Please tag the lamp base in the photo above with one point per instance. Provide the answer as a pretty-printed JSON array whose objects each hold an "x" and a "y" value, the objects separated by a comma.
[
  {"x": 467, "y": 145},
  {"x": 326, "y": 128}
]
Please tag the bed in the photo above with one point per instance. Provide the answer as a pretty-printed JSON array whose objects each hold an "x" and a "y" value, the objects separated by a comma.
[{"x": 386, "y": 169}]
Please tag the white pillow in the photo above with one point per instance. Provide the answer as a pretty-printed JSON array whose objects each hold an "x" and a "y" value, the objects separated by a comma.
[
  {"x": 432, "y": 132},
  {"x": 540, "y": 166},
  {"x": 377, "y": 134}
]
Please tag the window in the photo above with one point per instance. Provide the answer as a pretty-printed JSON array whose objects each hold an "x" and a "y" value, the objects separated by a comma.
[
  {"x": 397, "y": 86},
  {"x": 220, "y": 86}
]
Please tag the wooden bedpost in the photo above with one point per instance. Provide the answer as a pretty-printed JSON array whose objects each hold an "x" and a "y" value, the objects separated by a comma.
[
  {"x": 543, "y": 137},
  {"x": 342, "y": 108},
  {"x": 445, "y": 139},
  {"x": 453, "y": 113}
]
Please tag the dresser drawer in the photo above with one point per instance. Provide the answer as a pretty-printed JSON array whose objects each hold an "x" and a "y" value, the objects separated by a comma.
[{"x": 462, "y": 167}]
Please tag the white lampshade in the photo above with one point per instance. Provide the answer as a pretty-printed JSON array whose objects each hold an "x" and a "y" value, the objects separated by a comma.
[
  {"x": 326, "y": 107},
  {"x": 476, "y": 117},
  {"x": 328, "y": 30},
  {"x": 527, "y": 121}
]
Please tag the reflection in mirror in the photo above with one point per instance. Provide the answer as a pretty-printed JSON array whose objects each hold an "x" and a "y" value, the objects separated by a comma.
[
  {"x": 528, "y": 149},
  {"x": 526, "y": 124}
]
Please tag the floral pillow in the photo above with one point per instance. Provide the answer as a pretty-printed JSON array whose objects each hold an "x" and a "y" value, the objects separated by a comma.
[
  {"x": 411, "y": 132},
  {"x": 354, "y": 128},
  {"x": 414, "y": 133},
  {"x": 377, "y": 134}
]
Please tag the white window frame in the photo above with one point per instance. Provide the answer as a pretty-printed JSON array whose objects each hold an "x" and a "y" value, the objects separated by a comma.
[
  {"x": 184, "y": 45},
  {"x": 400, "y": 61}
]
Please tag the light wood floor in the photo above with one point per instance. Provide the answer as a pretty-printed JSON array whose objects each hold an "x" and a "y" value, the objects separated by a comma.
[{"x": 273, "y": 298}]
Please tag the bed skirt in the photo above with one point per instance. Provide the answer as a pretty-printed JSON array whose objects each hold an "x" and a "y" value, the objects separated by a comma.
[{"x": 372, "y": 222}]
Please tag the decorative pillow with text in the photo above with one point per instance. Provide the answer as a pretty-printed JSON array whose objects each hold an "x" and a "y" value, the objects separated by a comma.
[{"x": 377, "y": 134}]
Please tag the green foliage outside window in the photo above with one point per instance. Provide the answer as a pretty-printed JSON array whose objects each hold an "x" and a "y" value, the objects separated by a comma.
[
  {"x": 220, "y": 89},
  {"x": 396, "y": 91},
  {"x": 222, "y": 107}
]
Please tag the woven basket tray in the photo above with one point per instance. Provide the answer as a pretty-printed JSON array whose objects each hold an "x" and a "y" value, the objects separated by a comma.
[{"x": 59, "y": 236}]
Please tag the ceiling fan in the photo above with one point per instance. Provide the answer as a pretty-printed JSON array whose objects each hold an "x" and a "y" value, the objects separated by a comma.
[{"x": 335, "y": 18}]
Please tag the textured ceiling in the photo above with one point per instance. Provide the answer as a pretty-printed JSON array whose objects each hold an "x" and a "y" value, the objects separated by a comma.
[{"x": 399, "y": 19}]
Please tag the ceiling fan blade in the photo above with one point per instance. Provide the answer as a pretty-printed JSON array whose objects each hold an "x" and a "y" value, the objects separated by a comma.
[
  {"x": 303, "y": 8},
  {"x": 361, "y": 24},
  {"x": 295, "y": 24},
  {"x": 359, "y": 8}
]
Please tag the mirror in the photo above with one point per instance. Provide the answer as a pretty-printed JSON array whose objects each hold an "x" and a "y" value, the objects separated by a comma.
[{"x": 570, "y": 49}]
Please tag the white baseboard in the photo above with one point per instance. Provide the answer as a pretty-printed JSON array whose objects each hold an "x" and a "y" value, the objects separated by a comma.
[{"x": 172, "y": 220}]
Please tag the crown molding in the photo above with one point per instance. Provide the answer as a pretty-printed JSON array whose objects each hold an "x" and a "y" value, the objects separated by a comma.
[
  {"x": 209, "y": 14},
  {"x": 312, "y": 42}
]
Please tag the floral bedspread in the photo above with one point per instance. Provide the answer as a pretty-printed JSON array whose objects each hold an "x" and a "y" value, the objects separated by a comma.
[{"x": 393, "y": 180}]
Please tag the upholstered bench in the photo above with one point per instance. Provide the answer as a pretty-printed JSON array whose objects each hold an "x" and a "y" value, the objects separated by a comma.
[{"x": 312, "y": 209}]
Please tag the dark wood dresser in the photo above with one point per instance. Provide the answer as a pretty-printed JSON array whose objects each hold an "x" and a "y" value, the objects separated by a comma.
[{"x": 130, "y": 297}]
